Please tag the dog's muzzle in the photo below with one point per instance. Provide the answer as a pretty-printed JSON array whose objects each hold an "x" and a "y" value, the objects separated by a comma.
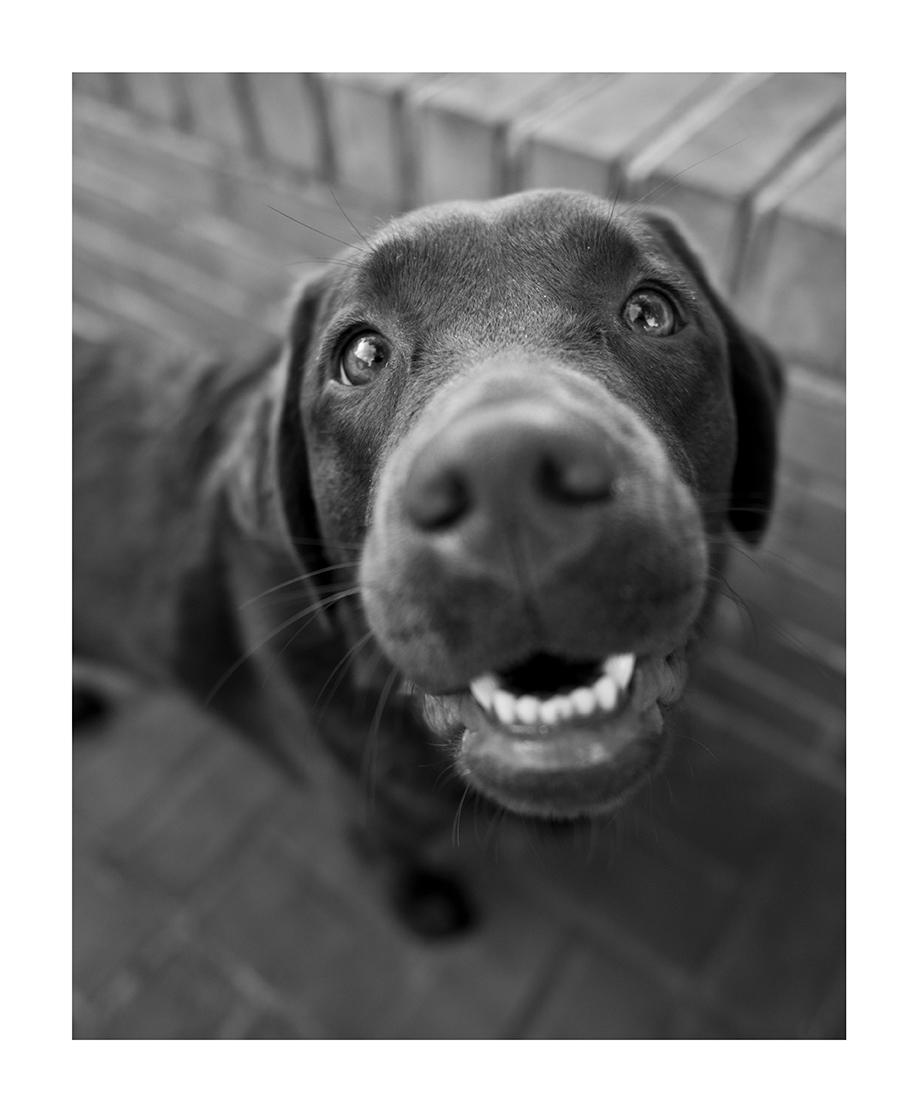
[{"x": 535, "y": 566}]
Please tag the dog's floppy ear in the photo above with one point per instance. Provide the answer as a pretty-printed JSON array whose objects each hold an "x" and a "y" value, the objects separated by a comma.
[
  {"x": 757, "y": 383},
  {"x": 292, "y": 457}
]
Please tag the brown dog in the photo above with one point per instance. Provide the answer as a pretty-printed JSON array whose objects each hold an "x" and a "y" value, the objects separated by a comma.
[{"x": 488, "y": 478}]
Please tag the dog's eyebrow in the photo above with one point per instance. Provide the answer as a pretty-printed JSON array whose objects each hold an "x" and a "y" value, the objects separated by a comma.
[{"x": 655, "y": 267}]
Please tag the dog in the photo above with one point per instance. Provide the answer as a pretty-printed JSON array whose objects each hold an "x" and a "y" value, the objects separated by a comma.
[{"x": 466, "y": 521}]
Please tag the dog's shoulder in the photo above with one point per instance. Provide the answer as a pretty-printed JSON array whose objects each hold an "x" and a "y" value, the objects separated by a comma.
[{"x": 151, "y": 427}]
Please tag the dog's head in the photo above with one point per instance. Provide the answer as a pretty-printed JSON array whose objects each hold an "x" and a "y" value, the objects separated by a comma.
[{"x": 536, "y": 419}]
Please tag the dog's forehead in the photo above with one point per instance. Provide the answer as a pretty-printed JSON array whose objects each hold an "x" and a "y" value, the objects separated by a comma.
[{"x": 544, "y": 236}]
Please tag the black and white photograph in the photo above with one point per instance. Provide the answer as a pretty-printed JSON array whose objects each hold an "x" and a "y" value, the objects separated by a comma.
[{"x": 459, "y": 556}]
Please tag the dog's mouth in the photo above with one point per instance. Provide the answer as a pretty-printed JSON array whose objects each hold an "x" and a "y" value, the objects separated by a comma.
[
  {"x": 559, "y": 738},
  {"x": 545, "y": 692}
]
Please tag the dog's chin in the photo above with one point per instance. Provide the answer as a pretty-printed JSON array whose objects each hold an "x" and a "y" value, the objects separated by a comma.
[{"x": 586, "y": 760}]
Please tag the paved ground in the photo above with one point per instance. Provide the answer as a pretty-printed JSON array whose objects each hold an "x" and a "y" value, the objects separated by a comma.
[{"x": 215, "y": 900}]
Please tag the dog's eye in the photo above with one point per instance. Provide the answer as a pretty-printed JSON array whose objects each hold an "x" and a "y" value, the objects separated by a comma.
[
  {"x": 650, "y": 312},
  {"x": 364, "y": 356}
]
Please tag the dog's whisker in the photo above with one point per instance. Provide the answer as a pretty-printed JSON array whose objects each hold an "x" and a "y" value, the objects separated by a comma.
[
  {"x": 318, "y": 231},
  {"x": 726, "y": 590},
  {"x": 337, "y": 260},
  {"x": 458, "y": 817},
  {"x": 373, "y": 737},
  {"x": 313, "y": 610},
  {"x": 346, "y": 217},
  {"x": 771, "y": 553},
  {"x": 299, "y": 579},
  {"x": 338, "y": 670},
  {"x": 669, "y": 183},
  {"x": 620, "y": 185}
]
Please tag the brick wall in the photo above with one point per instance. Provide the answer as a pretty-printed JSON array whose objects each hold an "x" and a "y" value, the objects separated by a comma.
[{"x": 176, "y": 177}]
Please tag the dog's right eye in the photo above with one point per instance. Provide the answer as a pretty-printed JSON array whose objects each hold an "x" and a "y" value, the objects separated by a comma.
[{"x": 364, "y": 356}]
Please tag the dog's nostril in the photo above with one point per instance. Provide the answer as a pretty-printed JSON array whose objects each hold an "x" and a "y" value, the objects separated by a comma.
[
  {"x": 582, "y": 479},
  {"x": 437, "y": 501}
]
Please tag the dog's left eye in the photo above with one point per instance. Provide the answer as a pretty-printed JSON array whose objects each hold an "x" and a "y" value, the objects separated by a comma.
[
  {"x": 651, "y": 312},
  {"x": 364, "y": 356}
]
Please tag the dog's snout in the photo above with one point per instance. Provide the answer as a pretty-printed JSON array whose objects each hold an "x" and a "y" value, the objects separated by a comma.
[{"x": 509, "y": 466}]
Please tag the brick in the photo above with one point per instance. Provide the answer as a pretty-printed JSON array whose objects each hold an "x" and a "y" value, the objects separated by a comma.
[
  {"x": 486, "y": 976},
  {"x": 795, "y": 281},
  {"x": 725, "y": 794},
  {"x": 130, "y": 311},
  {"x": 634, "y": 885},
  {"x": 368, "y": 127},
  {"x": 158, "y": 96},
  {"x": 705, "y": 1023},
  {"x": 222, "y": 251},
  {"x": 179, "y": 167},
  {"x": 775, "y": 648},
  {"x": 604, "y": 996},
  {"x": 788, "y": 944},
  {"x": 216, "y": 111},
  {"x": 706, "y": 178},
  {"x": 187, "y": 997},
  {"x": 250, "y": 198},
  {"x": 585, "y": 145},
  {"x": 91, "y": 326},
  {"x": 272, "y": 1026},
  {"x": 288, "y": 113},
  {"x": 112, "y": 918},
  {"x": 808, "y": 526},
  {"x": 220, "y": 319},
  {"x": 813, "y": 425},
  {"x": 828, "y": 1022},
  {"x": 85, "y": 1018},
  {"x": 181, "y": 835},
  {"x": 129, "y": 760},
  {"x": 462, "y": 127},
  {"x": 97, "y": 85},
  {"x": 777, "y": 702},
  {"x": 335, "y": 972},
  {"x": 790, "y": 594}
]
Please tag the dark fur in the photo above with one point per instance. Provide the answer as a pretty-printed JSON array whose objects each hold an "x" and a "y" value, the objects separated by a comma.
[{"x": 199, "y": 489}]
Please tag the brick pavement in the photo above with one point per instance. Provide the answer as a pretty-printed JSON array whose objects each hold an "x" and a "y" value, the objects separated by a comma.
[{"x": 212, "y": 900}]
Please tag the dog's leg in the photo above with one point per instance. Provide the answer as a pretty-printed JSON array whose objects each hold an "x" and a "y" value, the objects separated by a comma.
[
  {"x": 426, "y": 896},
  {"x": 404, "y": 809},
  {"x": 90, "y": 708}
]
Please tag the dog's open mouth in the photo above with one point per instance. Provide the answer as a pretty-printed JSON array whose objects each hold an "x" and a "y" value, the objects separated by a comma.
[
  {"x": 546, "y": 692},
  {"x": 558, "y": 738}
]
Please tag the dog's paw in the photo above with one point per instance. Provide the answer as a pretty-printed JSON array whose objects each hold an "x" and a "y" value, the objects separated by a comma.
[
  {"x": 89, "y": 708},
  {"x": 432, "y": 905}
]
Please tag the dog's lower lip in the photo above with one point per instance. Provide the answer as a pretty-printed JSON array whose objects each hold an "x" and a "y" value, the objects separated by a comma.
[{"x": 584, "y": 768}]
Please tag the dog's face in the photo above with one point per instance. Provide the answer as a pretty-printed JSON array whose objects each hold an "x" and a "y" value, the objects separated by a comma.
[{"x": 536, "y": 419}]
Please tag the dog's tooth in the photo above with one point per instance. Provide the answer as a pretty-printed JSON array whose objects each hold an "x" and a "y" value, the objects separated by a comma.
[
  {"x": 565, "y": 706},
  {"x": 484, "y": 689},
  {"x": 505, "y": 707},
  {"x": 606, "y": 692},
  {"x": 620, "y": 668},
  {"x": 527, "y": 710},
  {"x": 583, "y": 700},
  {"x": 549, "y": 711}
]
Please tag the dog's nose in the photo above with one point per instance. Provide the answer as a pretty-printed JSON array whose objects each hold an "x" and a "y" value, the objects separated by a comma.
[{"x": 522, "y": 465}]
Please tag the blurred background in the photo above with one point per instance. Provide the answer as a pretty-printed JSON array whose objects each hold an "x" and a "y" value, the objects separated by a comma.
[{"x": 212, "y": 899}]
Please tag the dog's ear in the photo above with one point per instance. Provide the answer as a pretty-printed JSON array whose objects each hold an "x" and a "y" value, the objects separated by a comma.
[
  {"x": 757, "y": 383},
  {"x": 292, "y": 457}
]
